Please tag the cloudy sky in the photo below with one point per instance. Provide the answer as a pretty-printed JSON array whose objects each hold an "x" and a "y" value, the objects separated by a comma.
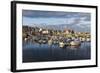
[{"x": 80, "y": 19}]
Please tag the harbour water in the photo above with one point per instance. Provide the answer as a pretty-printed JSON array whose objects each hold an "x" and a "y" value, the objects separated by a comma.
[{"x": 33, "y": 52}]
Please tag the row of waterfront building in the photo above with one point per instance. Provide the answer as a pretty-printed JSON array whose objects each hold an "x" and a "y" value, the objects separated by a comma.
[{"x": 65, "y": 37}]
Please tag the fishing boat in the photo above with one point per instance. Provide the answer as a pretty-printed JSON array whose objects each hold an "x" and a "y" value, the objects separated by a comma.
[
  {"x": 55, "y": 42},
  {"x": 50, "y": 42},
  {"x": 82, "y": 39},
  {"x": 61, "y": 44},
  {"x": 42, "y": 41},
  {"x": 75, "y": 43},
  {"x": 88, "y": 39}
]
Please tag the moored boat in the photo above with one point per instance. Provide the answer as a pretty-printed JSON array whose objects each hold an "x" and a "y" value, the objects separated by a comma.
[
  {"x": 88, "y": 39},
  {"x": 82, "y": 39},
  {"x": 49, "y": 42},
  {"x": 61, "y": 44},
  {"x": 75, "y": 43}
]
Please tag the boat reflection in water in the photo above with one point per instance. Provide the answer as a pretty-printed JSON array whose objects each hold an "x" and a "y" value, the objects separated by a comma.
[{"x": 60, "y": 51}]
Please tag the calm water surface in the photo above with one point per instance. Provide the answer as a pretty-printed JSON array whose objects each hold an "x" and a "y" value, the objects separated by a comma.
[{"x": 33, "y": 52}]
